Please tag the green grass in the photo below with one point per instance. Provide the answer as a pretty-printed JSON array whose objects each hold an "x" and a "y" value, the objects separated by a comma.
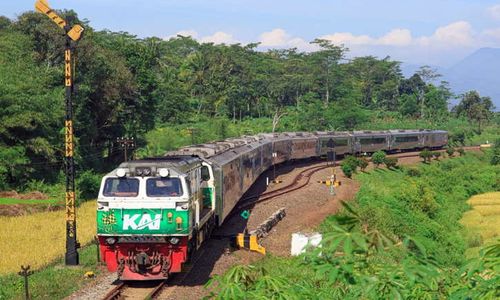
[
  {"x": 427, "y": 206},
  {"x": 53, "y": 282},
  {"x": 10, "y": 201}
]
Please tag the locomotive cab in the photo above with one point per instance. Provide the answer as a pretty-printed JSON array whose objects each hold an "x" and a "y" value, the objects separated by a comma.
[{"x": 149, "y": 216}]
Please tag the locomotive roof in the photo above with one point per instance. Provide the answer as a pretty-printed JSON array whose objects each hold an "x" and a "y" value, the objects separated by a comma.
[{"x": 179, "y": 164}]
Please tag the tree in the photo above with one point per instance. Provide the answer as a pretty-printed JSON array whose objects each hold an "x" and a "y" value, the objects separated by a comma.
[
  {"x": 436, "y": 155},
  {"x": 426, "y": 155},
  {"x": 428, "y": 75},
  {"x": 325, "y": 60},
  {"x": 391, "y": 162},
  {"x": 450, "y": 150},
  {"x": 495, "y": 155},
  {"x": 414, "y": 86},
  {"x": 475, "y": 108},
  {"x": 347, "y": 169},
  {"x": 378, "y": 158},
  {"x": 363, "y": 163},
  {"x": 4, "y": 22}
]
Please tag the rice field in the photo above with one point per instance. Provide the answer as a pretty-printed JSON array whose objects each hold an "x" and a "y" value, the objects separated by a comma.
[
  {"x": 484, "y": 218},
  {"x": 39, "y": 239}
]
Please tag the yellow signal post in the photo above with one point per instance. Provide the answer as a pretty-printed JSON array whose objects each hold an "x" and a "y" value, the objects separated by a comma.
[{"x": 73, "y": 35}]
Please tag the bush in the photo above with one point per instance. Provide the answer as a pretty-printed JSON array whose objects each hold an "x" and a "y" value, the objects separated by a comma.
[
  {"x": 461, "y": 151},
  {"x": 88, "y": 185},
  {"x": 347, "y": 169},
  {"x": 362, "y": 163},
  {"x": 413, "y": 172},
  {"x": 426, "y": 155},
  {"x": 352, "y": 161},
  {"x": 450, "y": 151},
  {"x": 391, "y": 162},
  {"x": 436, "y": 155},
  {"x": 378, "y": 158},
  {"x": 495, "y": 159}
]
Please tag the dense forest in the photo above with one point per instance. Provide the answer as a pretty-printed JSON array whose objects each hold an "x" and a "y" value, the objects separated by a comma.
[{"x": 166, "y": 93}]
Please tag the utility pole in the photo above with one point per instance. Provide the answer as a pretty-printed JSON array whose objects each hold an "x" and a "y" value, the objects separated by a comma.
[
  {"x": 126, "y": 143},
  {"x": 73, "y": 35}
]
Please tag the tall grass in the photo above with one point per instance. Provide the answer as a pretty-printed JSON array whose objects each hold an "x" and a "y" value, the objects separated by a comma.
[{"x": 39, "y": 239}]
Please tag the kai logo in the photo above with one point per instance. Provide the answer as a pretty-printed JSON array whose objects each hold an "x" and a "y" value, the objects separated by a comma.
[{"x": 141, "y": 221}]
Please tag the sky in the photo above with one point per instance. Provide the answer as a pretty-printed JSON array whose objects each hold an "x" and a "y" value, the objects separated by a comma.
[{"x": 433, "y": 32}]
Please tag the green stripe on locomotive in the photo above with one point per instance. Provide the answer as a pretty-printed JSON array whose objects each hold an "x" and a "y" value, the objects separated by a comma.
[{"x": 142, "y": 221}]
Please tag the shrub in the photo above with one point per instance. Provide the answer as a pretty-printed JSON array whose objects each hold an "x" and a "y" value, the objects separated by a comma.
[
  {"x": 436, "y": 155},
  {"x": 352, "y": 161},
  {"x": 450, "y": 151},
  {"x": 413, "y": 172},
  {"x": 461, "y": 151},
  {"x": 362, "y": 163},
  {"x": 378, "y": 158},
  {"x": 426, "y": 155},
  {"x": 347, "y": 170},
  {"x": 391, "y": 162},
  {"x": 88, "y": 185},
  {"x": 495, "y": 159}
]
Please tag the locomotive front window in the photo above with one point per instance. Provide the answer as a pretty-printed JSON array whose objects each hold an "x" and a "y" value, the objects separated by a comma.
[
  {"x": 121, "y": 187},
  {"x": 163, "y": 187}
]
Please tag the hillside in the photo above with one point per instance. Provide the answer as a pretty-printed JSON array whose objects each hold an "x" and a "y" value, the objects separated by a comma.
[{"x": 478, "y": 71}]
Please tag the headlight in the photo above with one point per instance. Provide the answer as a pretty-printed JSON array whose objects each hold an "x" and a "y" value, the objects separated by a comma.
[
  {"x": 174, "y": 240},
  {"x": 110, "y": 241}
]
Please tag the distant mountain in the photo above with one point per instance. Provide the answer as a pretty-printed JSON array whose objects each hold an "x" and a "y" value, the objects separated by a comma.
[
  {"x": 409, "y": 69},
  {"x": 479, "y": 71}
]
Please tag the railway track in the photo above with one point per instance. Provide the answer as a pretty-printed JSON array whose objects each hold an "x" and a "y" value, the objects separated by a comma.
[
  {"x": 136, "y": 290},
  {"x": 298, "y": 182},
  {"x": 304, "y": 177}
]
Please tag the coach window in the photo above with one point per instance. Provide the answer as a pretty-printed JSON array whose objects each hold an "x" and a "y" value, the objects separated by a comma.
[{"x": 340, "y": 142}]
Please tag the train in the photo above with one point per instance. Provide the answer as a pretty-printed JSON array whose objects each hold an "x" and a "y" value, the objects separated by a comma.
[{"x": 154, "y": 213}]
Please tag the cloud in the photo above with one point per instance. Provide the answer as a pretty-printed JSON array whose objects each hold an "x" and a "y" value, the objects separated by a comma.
[
  {"x": 274, "y": 38},
  {"x": 494, "y": 11},
  {"x": 455, "y": 34},
  {"x": 279, "y": 38},
  {"x": 348, "y": 38},
  {"x": 219, "y": 38},
  {"x": 396, "y": 37}
]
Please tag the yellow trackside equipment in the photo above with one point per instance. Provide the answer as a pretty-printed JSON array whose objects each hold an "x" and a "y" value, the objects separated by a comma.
[{"x": 248, "y": 241}]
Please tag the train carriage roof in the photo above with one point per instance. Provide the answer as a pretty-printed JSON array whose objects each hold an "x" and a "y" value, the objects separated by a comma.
[{"x": 179, "y": 164}]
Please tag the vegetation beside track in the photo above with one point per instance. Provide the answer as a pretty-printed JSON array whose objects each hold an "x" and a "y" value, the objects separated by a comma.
[
  {"x": 9, "y": 201},
  {"x": 38, "y": 239},
  {"x": 54, "y": 281},
  {"x": 482, "y": 221},
  {"x": 401, "y": 238}
]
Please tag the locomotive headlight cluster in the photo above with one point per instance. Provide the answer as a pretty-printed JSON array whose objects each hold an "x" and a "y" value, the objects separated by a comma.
[
  {"x": 121, "y": 172},
  {"x": 110, "y": 241},
  {"x": 174, "y": 240},
  {"x": 143, "y": 171}
]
